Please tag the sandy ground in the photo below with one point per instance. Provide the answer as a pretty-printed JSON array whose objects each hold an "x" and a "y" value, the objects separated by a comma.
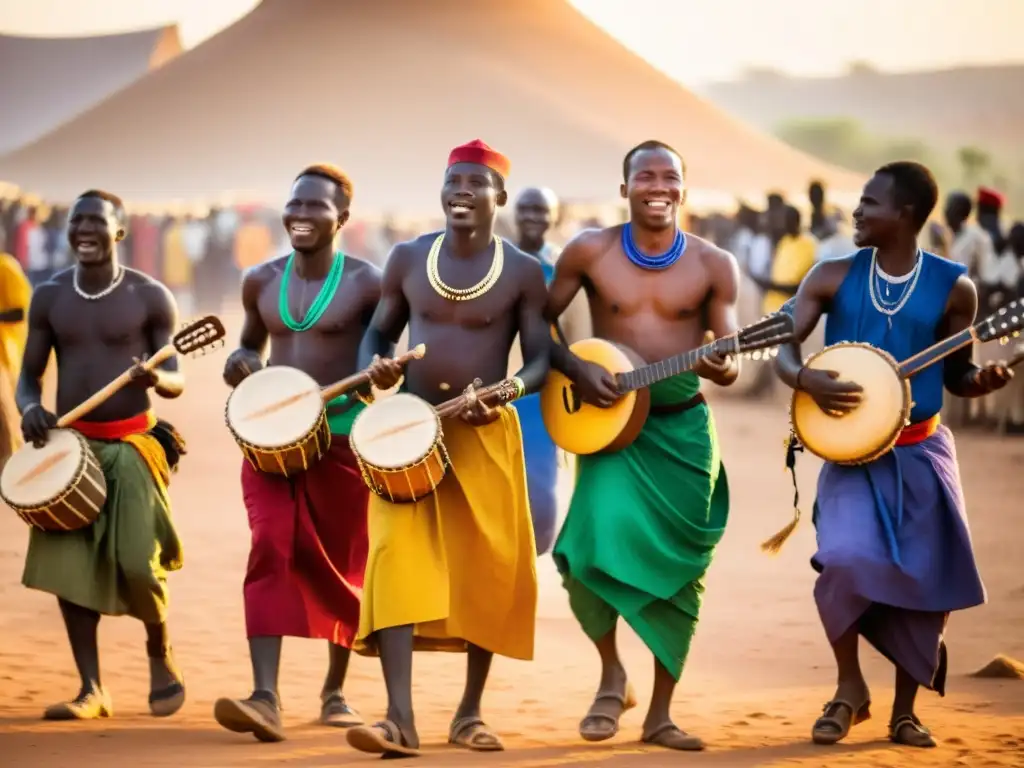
[{"x": 758, "y": 675}]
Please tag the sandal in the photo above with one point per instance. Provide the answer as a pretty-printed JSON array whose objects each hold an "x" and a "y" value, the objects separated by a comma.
[
  {"x": 94, "y": 704},
  {"x": 167, "y": 701},
  {"x": 336, "y": 712},
  {"x": 908, "y": 731},
  {"x": 829, "y": 729},
  {"x": 591, "y": 729},
  {"x": 255, "y": 715},
  {"x": 473, "y": 734},
  {"x": 671, "y": 737},
  {"x": 384, "y": 738}
]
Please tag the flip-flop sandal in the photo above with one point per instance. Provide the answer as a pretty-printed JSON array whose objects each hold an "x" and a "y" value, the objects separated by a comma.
[
  {"x": 337, "y": 713},
  {"x": 910, "y": 732},
  {"x": 254, "y": 716},
  {"x": 670, "y": 736},
  {"x": 626, "y": 700},
  {"x": 166, "y": 701},
  {"x": 473, "y": 734},
  {"x": 828, "y": 729},
  {"x": 93, "y": 705},
  {"x": 383, "y": 738}
]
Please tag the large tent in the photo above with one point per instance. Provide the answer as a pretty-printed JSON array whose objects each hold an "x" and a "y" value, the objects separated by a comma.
[
  {"x": 49, "y": 80},
  {"x": 385, "y": 89}
]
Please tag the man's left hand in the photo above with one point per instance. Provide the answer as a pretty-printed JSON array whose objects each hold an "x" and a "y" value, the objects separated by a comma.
[
  {"x": 714, "y": 366},
  {"x": 142, "y": 376},
  {"x": 993, "y": 376}
]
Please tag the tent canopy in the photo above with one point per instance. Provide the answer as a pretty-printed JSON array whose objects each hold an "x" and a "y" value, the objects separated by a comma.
[
  {"x": 385, "y": 89},
  {"x": 49, "y": 80}
]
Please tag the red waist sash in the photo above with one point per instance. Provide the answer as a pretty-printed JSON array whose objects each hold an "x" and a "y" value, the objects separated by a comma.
[
  {"x": 913, "y": 434},
  {"x": 116, "y": 430}
]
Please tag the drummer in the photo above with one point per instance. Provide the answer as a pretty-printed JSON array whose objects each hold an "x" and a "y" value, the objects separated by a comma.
[
  {"x": 456, "y": 571},
  {"x": 894, "y": 553},
  {"x": 104, "y": 317},
  {"x": 308, "y": 548}
]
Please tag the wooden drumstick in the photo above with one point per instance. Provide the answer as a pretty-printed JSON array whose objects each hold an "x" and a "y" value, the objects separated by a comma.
[
  {"x": 163, "y": 354},
  {"x": 331, "y": 391}
]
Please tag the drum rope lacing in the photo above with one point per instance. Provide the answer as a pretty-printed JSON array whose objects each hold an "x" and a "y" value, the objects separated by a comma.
[
  {"x": 464, "y": 294},
  {"x": 105, "y": 292},
  {"x": 892, "y": 309}
]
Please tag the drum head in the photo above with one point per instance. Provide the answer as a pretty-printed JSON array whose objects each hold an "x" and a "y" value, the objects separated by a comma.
[
  {"x": 880, "y": 415},
  {"x": 275, "y": 407},
  {"x": 395, "y": 432},
  {"x": 34, "y": 476}
]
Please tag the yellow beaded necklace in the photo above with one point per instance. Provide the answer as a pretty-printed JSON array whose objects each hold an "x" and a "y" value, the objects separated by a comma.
[{"x": 464, "y": 294}]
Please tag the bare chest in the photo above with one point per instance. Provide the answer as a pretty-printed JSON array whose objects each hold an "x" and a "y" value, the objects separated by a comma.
[
  {"x": 619, "y": 287},
  {"x": 116, "y": 321},
  {"x": 495, "y": 308},
  {"x": 300, "y": 310}
]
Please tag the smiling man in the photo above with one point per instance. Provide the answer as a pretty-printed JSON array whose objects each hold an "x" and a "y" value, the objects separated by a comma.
[
  {"x": 309, "y": 531},
  {"x": 455, "y": 571},
  {"x": 644, "y": 522},
  {"x": 102, "y": 318}
]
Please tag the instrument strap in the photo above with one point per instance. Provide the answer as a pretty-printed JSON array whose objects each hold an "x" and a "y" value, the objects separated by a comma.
[{"x": 774, "y": 544}]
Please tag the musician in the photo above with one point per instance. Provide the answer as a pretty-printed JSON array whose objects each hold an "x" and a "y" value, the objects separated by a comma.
[
  {"x": 894, "y": 552},
  {"x": 104, "y": 319},
  {"x": 308, "y": 548},
  {"x": 455, "y": 571},
  {"x": 535, "y": 211},
  {"x": 644, "y": 521}
]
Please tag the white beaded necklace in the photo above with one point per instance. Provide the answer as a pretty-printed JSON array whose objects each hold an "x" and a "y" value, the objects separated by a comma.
[
  {"x": 912, "y": 276},
  {"x": 105, "y": 292}
]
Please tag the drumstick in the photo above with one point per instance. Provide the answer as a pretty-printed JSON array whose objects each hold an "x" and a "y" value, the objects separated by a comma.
[
  {"x": 163, "y": 354},
  {"x": 331, "y": 391}
]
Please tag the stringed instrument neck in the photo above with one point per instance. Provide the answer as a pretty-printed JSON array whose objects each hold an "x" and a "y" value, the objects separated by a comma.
[{"x": 649, "y": 375}]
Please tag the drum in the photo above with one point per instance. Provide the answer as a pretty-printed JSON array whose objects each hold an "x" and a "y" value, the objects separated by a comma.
[
  {"x": 59, "y": 487},
  {"x": 277, "y": 417},
  {"x": 399, "y": 445},
  {"x": 871, "y": 429}
]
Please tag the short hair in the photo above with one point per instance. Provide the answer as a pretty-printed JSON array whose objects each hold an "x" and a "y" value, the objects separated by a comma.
[
  {"x": 333, "y": 174},
  {"x": 116, "y": 202},
  {"x": 793, "y": 215},
  {"x": 913, "y": 185},
  {"x": 645, "y": 146}
]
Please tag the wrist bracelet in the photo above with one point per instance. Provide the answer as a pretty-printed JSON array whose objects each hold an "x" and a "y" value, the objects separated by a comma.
[
  {"x": 520, "y": 387},
  {"x": 30, "y": 407}
]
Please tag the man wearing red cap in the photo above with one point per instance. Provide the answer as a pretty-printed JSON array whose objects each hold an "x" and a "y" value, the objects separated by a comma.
[
  {"x": 455, "y": 571},
  {"x": 644, "y": 521}
]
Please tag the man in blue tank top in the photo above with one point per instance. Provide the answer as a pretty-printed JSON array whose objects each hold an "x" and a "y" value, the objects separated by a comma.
[{"x": 894, "y": 550}]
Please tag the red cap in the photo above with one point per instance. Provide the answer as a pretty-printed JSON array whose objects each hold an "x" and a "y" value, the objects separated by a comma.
[
  {"x": 481, "y": 154},
  {"x": 990, "y": 197}
]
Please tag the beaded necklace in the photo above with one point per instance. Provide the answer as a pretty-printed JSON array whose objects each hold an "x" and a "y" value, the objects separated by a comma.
[
  {"x": 891, "y": 309},
  {"x": 320, "y": 303},
  {"x": 641, "y": 259},
  {"x": 463, "y": 294}
]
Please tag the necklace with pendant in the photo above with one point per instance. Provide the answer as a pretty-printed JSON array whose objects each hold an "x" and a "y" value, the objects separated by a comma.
[{"x": 877, "y": 275}]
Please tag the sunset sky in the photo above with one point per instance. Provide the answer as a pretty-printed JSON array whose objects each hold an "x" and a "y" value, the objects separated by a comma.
[{"x": 696, "y": 41}]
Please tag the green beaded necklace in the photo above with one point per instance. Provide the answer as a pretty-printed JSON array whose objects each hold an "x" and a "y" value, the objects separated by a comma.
[{"x": 322, "y": 300}]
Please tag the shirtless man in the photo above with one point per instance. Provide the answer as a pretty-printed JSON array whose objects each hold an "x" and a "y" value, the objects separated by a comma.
[
  {"x": 105, "y": 318},
  {"x": 455, "y": 571},
  {"x": 309, "y": 531},
  {"x": 644, "y": 522}
]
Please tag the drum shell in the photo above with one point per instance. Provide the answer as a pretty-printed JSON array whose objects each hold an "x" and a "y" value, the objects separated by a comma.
[
  {"x": 407, "y": 484},
  {"x": 77, "y": 506},
  {"x": 806, "y": 416},
  {"x": 292, "y": 459}
]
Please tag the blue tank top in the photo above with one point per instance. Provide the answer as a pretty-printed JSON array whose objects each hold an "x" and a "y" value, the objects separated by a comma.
[{"x": 853, "y": 317}]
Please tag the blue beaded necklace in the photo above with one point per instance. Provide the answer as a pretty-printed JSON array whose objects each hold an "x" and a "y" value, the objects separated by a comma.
[{"x": 641, "y": 259}]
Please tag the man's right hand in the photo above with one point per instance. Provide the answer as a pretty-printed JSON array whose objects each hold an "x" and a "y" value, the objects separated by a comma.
[
  {"x": 832, "y": 395},
  {"x": 384, "y": 372},
  {"x": 35, "y": 424},
  {"x": 596, "y": 385},
  {"x": 240, "y": 364}
]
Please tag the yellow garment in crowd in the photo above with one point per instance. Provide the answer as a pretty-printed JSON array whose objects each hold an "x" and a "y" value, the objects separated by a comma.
[
  {"x": 459, "y": 565},
  {"x": 15, "y": 293},
  {"x": 253, "y": 245},
  {"x": 794, "y": 257},
  {"x": 177, "y": 266}
]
